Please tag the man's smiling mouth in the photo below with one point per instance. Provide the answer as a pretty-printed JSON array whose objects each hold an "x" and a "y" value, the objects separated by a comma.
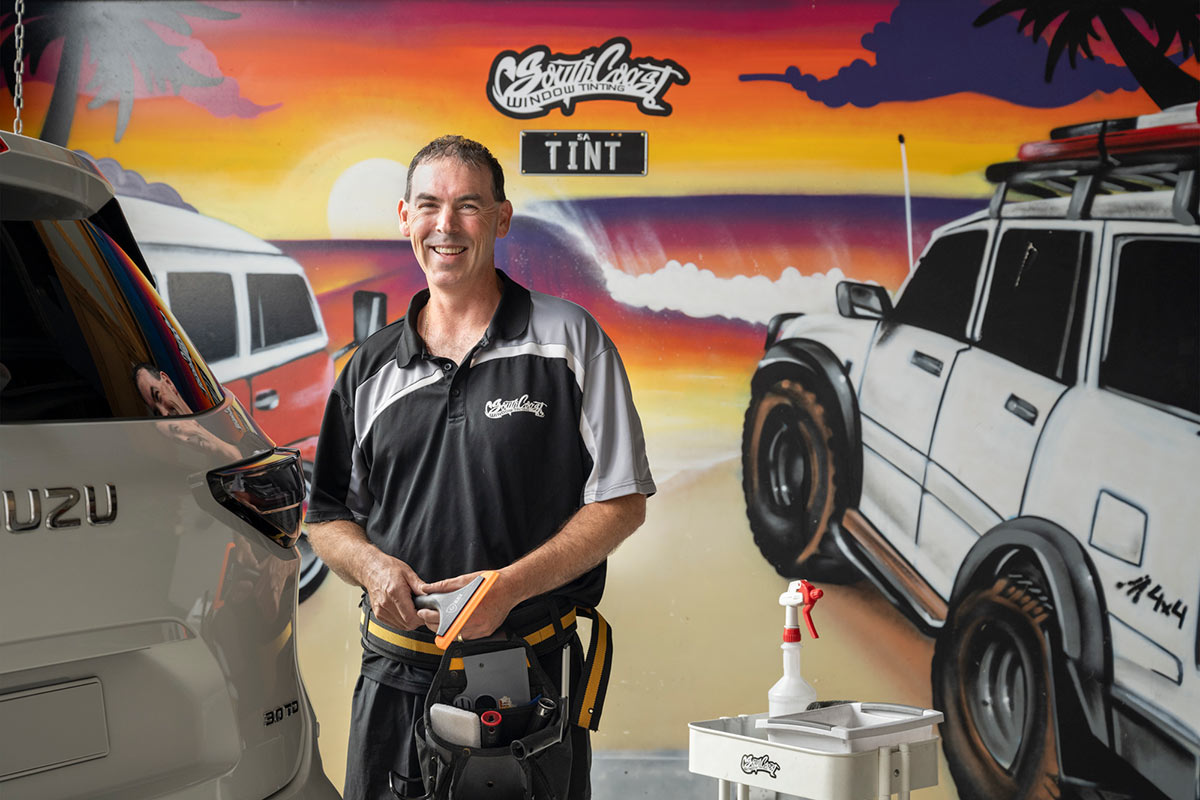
[{"x": 448, "y": 251}]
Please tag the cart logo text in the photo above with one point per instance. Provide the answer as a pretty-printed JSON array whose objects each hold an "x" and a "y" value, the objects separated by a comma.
[{"x": 755, "y": 764}]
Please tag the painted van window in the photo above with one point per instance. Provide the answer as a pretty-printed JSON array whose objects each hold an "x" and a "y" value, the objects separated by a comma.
[
  {"x": 83, "y": 334},
  {"x": 1035, "y": 306},
  {"x": 280, "y": 309},
  {"x": 1152, "y": 349},
  {"x": 942, "y": 290},
  {"x": 203, "y": 302}
]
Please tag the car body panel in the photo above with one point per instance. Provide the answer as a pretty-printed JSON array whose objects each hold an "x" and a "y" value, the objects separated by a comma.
[{"x": 125, "y": 585}]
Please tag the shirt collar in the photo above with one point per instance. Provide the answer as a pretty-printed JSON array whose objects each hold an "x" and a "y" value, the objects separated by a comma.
[{"x": 509, "y": 321}]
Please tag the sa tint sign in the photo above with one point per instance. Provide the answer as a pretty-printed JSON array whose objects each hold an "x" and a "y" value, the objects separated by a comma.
[{"x": 583, "y": 152}]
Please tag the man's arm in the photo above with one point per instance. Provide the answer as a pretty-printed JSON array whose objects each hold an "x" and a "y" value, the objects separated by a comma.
[
  {"x": 584, "y": 541},
  {"x": 390, "y": 583}
]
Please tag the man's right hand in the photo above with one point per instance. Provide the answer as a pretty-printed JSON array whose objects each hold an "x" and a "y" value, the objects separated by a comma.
[{"x": 390, "y": 585}]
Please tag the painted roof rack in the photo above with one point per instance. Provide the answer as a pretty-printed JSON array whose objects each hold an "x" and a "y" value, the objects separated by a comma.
[{"x": 1155, "y": 152}]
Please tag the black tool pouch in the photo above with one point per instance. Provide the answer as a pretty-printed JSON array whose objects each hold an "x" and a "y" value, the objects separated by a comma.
[{"x": 524, "y": 765}]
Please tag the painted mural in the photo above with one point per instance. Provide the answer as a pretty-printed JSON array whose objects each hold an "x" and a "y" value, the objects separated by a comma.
[{"x": 992, "y": 472}]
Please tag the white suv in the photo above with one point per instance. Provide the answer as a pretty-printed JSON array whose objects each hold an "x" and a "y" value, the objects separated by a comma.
[
  {"x": 1011, "y": 454},
  {"x": 147, "y": 574}
]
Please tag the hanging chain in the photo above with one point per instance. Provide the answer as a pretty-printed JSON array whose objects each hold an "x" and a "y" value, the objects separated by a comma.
[{"x": 19, "y": 66}]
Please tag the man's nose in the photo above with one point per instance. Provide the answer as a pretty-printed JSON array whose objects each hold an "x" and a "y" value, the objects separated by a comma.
[{"x": 447, "y": 220}]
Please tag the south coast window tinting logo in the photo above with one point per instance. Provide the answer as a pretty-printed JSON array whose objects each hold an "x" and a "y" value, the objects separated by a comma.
[
  {"x": 752, "y": 765},
  {"x": 495, "y": 409},
  {"x": 531, "y": 83}
]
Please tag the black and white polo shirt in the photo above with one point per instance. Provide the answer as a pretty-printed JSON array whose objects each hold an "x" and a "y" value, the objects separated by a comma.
[{"x": 455, "y": 468}]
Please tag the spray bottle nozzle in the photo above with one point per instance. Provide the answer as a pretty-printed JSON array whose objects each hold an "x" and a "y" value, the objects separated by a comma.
[{"x": 804, "y": 594}]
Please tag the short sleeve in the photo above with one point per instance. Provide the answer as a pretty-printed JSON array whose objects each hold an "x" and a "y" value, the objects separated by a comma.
[
  {"x": 339, "y": 475},
  {"x": 612, "y": 432}
]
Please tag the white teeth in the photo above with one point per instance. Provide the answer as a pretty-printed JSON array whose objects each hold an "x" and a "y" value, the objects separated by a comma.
[{"x": 448, "y": 251}]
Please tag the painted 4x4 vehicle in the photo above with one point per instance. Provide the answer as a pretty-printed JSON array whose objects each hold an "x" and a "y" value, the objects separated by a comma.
[
  {"x": 1011, "y": 454},
  {"x": 147, "y": 568}
]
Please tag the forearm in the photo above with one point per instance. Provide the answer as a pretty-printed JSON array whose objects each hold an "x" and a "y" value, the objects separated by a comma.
[
  {"x": 345, "y": 549},
  {"x": 587, "y": 538},
  {"x": 390, "y": 583}
]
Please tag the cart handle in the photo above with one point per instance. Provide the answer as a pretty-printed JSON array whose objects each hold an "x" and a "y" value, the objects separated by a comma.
[{"x": 895, "y": 708}]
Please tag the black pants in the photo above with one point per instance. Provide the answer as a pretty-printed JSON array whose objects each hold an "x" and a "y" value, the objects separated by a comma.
[{"x": 382, "y": 720}]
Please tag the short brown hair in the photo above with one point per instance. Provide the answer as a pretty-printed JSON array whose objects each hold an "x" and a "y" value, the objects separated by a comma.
[{"x": 464, "y": 151}]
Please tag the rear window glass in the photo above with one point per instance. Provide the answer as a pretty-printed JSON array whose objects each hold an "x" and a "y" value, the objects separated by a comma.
[
  {"x": 280, "y": 309},
  {"x": 83, "y": 334},
  {"x": 1153, "y": 347},
  {"x": 203, "y": 302}
]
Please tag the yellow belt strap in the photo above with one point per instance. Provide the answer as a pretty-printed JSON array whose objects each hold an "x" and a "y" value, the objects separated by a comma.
[
  {"x": 587, "y": 699},
  {"x": 587, "y": 704},
  {"x": 413, "y": 646}
]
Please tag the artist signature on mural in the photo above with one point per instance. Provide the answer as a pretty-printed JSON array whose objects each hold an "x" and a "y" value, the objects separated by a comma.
[
  {"x": 1162, "y": 605},
  {"x": 531, "y": 83}
]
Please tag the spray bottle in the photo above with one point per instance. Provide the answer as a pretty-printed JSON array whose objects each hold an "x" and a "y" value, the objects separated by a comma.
[{"x": 792, "y": 693}]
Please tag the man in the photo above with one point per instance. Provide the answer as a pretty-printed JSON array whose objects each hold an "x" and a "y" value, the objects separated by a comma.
[
  {"x": 490, "y": 428},
  {"x": 159, "y": 392}
]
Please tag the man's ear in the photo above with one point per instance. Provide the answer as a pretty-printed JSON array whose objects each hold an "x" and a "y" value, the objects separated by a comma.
[
  {"x": 402, "y": 210},
  {"x": 502, "y": 225}
]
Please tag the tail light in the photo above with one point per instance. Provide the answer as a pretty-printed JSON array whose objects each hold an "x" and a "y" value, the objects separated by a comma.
[{"x": 267, "y": 491}]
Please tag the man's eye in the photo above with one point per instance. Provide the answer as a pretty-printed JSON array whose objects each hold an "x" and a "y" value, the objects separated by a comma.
[{"x": 469, "y": 208}]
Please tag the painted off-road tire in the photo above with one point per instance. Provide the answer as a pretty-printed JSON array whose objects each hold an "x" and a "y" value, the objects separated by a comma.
[
  {"x": 992, "y": 678},
  {"x": 792, "y": 461}
]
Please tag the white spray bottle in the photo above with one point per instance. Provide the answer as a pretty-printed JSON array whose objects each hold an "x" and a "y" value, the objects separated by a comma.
[{"x": 792, "y": 693}]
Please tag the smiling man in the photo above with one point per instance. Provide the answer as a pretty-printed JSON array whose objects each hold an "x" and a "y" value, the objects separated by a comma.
[{"x": 492, "y": 427}]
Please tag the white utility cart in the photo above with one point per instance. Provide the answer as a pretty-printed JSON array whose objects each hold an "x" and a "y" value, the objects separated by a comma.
[{"x": 847, "y": 751}]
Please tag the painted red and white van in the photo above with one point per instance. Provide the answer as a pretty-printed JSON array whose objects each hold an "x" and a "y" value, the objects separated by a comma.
[{"x": 251, "y": 312}]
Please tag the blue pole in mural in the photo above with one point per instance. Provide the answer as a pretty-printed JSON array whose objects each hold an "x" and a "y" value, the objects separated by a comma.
[{"x": 907, "y": 201}]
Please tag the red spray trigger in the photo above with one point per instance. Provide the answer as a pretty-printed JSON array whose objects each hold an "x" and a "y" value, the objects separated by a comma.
[
  {"x": 800, "y": 595},
  {"x": 811, "y": 595}
]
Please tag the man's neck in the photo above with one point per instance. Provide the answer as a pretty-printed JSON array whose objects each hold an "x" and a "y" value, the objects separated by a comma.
[{"x": 452, "y": 323}]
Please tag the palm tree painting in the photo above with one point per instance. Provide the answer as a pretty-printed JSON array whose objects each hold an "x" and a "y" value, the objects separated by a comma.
[
  {"x": 1171, "y": 20},
  {"x": 121, "y": 44}
]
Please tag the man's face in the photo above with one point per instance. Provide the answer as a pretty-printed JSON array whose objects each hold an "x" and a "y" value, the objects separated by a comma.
[
  {"x": 160, "y": 394},
  {"x": 453, "y": 220}
]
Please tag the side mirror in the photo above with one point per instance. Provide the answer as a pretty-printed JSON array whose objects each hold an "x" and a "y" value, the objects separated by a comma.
[
  {"x": 370, "y": 314},
  {"x": 863, "y": 300}
]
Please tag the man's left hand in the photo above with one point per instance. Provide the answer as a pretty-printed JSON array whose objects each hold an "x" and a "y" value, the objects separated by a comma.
[{"x": 487, "y": 616}]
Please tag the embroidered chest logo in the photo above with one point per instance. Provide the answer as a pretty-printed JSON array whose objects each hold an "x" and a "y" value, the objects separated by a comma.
[{"x": 495, "y": 409}]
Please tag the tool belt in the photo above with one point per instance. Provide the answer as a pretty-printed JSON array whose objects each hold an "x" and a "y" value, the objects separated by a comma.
[
  {"x": 544, "y": 626},
  {"x": 527, "y": 756}
]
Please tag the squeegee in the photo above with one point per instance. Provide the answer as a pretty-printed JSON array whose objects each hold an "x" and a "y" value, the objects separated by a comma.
[{"x": 455, "y": 608}]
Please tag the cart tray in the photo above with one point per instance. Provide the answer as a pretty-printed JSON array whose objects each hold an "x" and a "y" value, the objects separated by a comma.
[{"x": 733, "y": 749}]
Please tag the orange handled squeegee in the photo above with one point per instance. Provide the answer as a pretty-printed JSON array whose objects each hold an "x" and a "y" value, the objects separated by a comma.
[{"x": 455, "y": 608}]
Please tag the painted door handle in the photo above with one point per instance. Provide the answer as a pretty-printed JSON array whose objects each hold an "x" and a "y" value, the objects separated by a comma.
[
  {"x": 266, "y": 400},
  {"x": 1021, "y": 409},
  {"x": 926, "y": 362}
]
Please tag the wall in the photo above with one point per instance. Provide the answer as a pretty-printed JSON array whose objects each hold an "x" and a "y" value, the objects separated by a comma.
[{"x": 768, "y": 134}]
